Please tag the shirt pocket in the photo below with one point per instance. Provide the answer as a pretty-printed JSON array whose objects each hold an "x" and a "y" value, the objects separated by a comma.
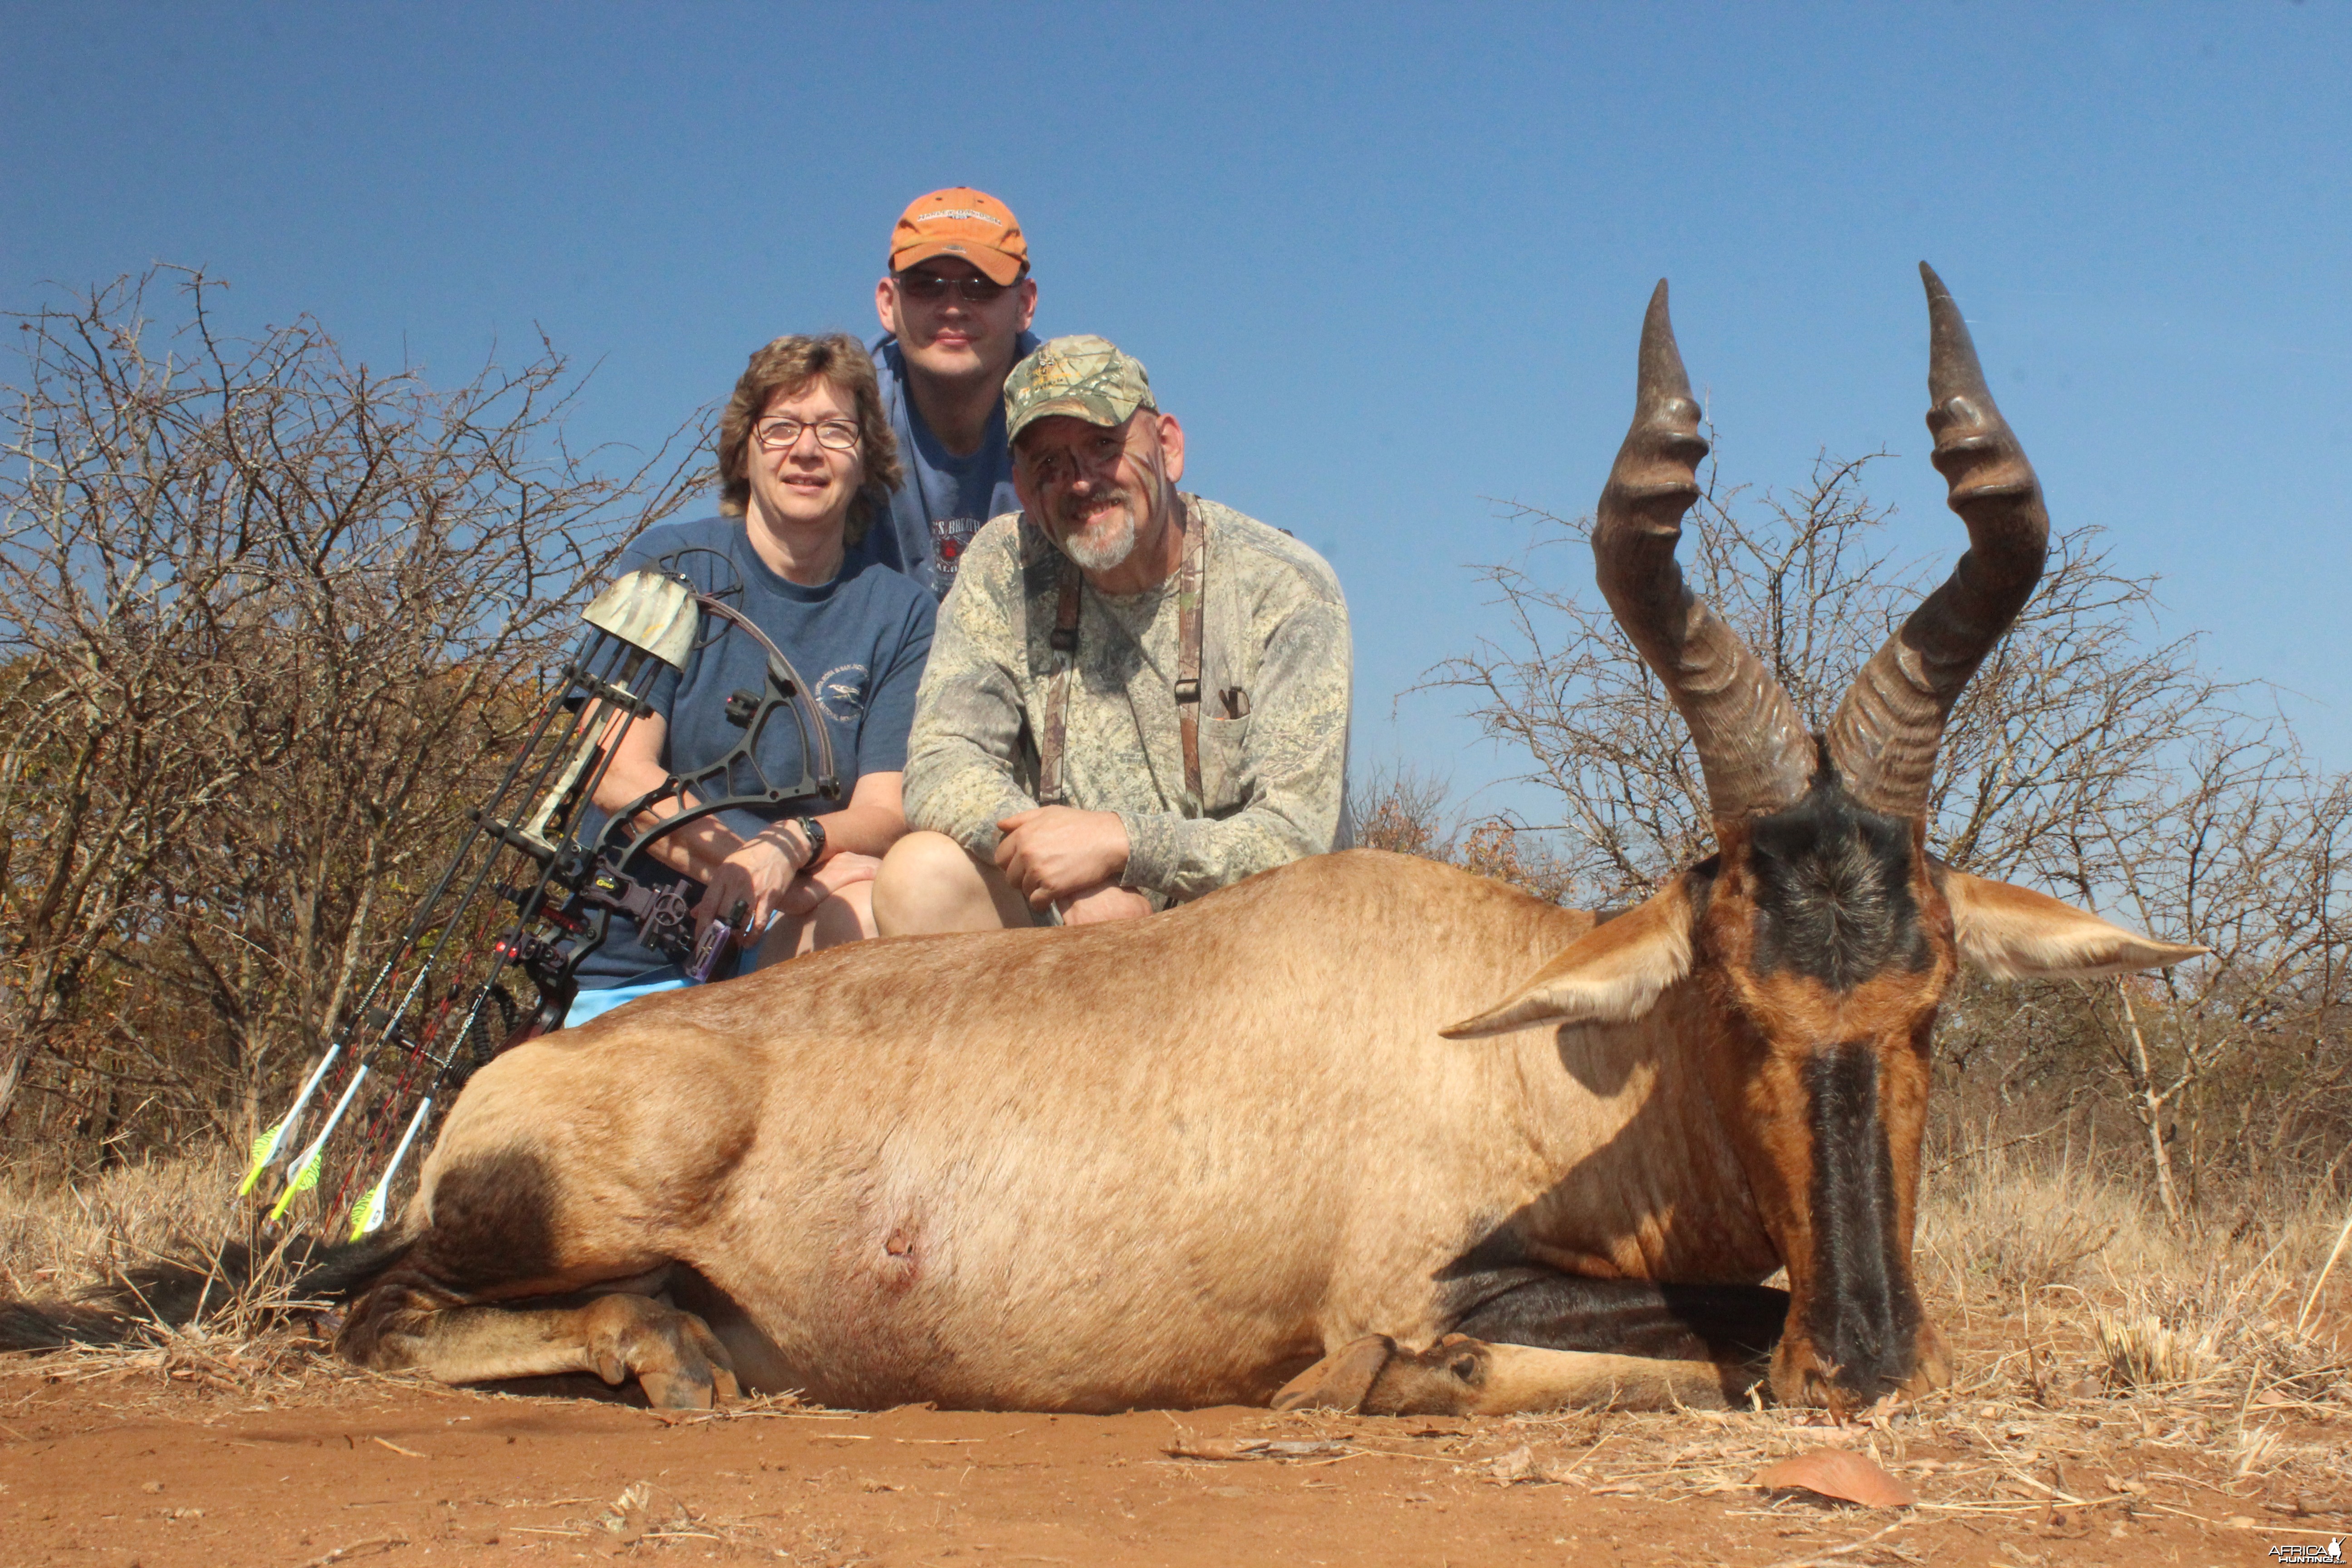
[{"x": 1225, "y": 766}]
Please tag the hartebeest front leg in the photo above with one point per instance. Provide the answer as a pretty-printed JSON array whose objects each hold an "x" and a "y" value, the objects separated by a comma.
[
  {"x": 1462, "y": 1376},
  {"x": 673, "y": 1356},
  {"x": 1543, "y": 1341}
]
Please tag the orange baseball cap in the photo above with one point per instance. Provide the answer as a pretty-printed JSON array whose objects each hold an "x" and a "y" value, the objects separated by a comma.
[{"x": 961, "y": 222}]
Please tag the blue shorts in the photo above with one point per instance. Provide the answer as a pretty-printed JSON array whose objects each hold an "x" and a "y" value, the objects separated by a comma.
[
  {"x": 668, "y": 978},
  {"x": 595, "y": 1004}
]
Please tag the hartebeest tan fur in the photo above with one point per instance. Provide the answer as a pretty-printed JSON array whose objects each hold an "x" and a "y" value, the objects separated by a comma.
[{"x": 1362, "y": 1130}]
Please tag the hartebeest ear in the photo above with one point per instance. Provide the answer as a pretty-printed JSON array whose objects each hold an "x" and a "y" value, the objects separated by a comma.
[
  {"x": 1612, "y": 974},
  {"x": 2014, "y": 934}
]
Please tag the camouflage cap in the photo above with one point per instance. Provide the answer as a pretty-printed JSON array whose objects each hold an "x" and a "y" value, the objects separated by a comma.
[{"x": 1084, "y": 377}]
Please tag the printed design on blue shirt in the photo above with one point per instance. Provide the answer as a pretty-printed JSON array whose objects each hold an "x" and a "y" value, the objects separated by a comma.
[
  {"x": 841, "y": 692},
  {"x": 949, "y": 537},
  {"x": 943, "y": 498}
]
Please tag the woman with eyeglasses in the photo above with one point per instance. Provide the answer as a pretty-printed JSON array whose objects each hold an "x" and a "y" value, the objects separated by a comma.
[{"x": 806, "y": 459}]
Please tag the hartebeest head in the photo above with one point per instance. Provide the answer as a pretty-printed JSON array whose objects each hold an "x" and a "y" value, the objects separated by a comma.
[{"x": 1821, "y": 933}]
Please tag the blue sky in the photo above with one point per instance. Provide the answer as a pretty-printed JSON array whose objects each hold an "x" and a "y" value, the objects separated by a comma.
[{"x": 1387, "y": 263}]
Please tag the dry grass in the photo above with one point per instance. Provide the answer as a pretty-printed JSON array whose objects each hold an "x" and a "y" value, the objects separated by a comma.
[
  {"x": 165, "y": 1245},
  {"x": 1997, "y": 1224},
  {"x": 2228, "y": 1326},
  {"x": 2142, "y": 1351},
  {"x": 61, "y": 1238},
  {"x": 2097, "y": 1335},
  {"x": 2005, "y": 1224},
  {"x": 2085, "y": 1280}
]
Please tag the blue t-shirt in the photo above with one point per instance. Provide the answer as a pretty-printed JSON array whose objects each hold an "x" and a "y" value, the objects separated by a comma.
[
  {"x": 943, "y": 498},
  {"x": 859, "y": 641}
]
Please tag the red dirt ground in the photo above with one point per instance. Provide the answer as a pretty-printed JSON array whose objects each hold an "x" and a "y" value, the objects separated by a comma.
[{"x": 134, "y": 1466}]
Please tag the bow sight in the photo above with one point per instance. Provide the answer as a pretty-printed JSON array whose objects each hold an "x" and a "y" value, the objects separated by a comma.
[{"x": 438, "y": 1008}]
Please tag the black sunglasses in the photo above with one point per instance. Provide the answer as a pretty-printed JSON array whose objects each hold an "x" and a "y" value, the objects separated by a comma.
[{"x": 930, "y": 287}]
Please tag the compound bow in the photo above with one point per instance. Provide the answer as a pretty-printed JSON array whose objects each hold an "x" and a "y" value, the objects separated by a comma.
[{"x": 421, "y": 1037}]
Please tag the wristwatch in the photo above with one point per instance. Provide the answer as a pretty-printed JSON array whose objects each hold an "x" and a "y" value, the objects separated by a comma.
[{"x": 814, "y": 831}]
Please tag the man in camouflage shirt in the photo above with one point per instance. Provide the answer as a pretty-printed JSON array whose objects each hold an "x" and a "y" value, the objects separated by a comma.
[{"x": 1134, "y": 696}]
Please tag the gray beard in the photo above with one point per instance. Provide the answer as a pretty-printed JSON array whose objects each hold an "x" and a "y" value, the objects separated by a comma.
[{"x": 1103, "y": 549}]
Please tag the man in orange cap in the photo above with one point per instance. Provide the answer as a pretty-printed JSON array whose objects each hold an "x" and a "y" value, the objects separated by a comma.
[{"x": 956, "y": 306}]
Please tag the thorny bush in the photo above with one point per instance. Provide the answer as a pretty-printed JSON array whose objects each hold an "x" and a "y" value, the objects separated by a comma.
[{"x": 267, "y": 616}]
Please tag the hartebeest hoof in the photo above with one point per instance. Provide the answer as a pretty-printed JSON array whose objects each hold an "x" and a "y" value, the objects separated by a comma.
[
  {"x": 1341, "y": 1380},
  {"x": 1447, "y": 1379},
  {"x": 673, "y": 1356}
]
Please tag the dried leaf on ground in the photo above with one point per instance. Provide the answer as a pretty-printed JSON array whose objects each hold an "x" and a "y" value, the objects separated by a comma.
[{"x": 1837, "y": 1473}]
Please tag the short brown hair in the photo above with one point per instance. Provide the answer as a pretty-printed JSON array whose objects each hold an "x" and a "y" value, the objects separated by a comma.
[{"x": 786, "y": 366}]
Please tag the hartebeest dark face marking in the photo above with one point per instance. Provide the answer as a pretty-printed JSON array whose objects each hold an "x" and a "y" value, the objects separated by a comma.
[
  {"x": 1825, "y": 948},
  {"x": 1831, "y": 885},
  {"x": 1843, "y": 969},
  {"x": 1829, "y": 962},
  {"x": 1861, "y": 1316}
]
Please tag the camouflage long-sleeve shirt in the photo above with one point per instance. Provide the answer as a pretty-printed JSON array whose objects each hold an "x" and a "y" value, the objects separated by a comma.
[{"x": 1273, "y": 782}]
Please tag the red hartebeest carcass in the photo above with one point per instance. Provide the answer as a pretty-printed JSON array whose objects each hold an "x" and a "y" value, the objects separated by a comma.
[{"x": 1362, "y": 1130}]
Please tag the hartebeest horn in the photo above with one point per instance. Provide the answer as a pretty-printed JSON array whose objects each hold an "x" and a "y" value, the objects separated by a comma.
[
  {"x": 1886, "y": 733},
  {"x": 1751, "y": 744}
]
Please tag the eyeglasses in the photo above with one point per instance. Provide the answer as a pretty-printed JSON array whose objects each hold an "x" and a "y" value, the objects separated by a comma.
[
  {"x": 930, "y": 287},
  {"x": 783, "y": 435}
]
